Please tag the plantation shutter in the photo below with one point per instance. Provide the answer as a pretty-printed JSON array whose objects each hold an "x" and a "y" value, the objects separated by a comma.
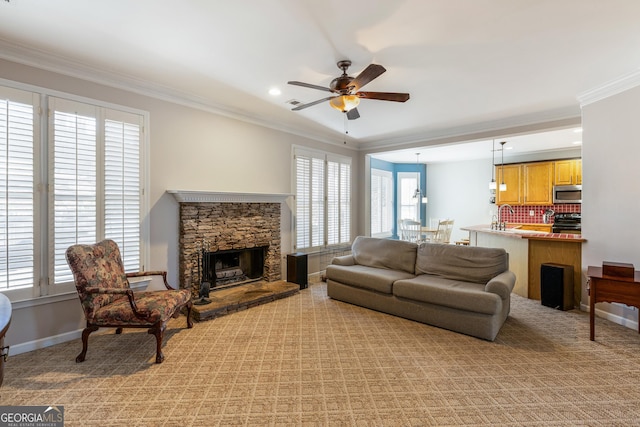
[
  {"x": 338, "y": 201},
  {"x": 74, "y": 181},
  {"x": 17, "y": 135},
  {"x": 122, "y": 136},
  {"x": 381, "y": 203},
  {"x": 323, "y": 199},
  {"x": 303, "y": 201}
]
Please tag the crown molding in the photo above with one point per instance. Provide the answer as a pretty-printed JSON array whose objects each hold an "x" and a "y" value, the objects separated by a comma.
[
  {"x": 568, "y": 116},
  {"x": 613, "y": 87},
  {"x": 191, "y": 196},
  {"x": 46, "y": 61}
]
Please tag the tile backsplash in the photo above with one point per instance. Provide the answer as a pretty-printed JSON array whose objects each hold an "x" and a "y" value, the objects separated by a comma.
[{"x": 522, "y": 213}]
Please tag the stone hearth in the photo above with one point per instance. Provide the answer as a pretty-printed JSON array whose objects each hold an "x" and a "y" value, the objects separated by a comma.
[{"x": 231, "y": 300}]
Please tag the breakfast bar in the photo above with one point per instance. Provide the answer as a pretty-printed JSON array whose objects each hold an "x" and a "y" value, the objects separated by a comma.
[{"x": 528, "y": 250}]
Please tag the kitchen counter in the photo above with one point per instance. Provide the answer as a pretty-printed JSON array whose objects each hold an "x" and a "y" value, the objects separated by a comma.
[
  {"x": 514, "y": 231},
  {"x": 528, "y": 250}
]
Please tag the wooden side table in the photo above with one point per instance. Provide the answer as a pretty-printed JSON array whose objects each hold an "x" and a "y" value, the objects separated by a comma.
[{"x": 611, "y": 289}]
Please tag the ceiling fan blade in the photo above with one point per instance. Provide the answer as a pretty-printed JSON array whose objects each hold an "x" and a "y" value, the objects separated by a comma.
[
  {"x": 353, "y": 114},
  {"x": 384, "y": 96},
  {"x": 309, "y": 85},
  {"x": 368, "y": 74},
  {"x": 311, "y": 104}
]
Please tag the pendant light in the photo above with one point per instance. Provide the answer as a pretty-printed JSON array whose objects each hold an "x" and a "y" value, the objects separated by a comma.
[
  {"x": 493, "y": 185},
  {"x": 418, "y": 194},
  {"x": 503, "y": 186}
]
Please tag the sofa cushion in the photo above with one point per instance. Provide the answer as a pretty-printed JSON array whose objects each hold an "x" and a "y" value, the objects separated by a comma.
[
  {"x": 466, "y": 263},
  {"x": 385, "y": 253},
  {"x": 450, "y": 293},
  {"x": 362, "y": 276}
]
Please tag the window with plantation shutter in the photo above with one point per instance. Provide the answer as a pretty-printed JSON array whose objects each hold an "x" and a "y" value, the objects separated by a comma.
[
  {"x": 323, "y": 199},
  {"x": 17, "y": 215},
  {"x": 71, "y": 171},
  {"x": 96, "y": 181},
  {"x": 381, "y": 203}
]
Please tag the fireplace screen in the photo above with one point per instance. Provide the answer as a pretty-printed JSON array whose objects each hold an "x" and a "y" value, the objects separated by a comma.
[{"x": 232, "y": 267}]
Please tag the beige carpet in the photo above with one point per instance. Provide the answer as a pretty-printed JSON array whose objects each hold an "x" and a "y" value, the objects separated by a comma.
[{"x": 310, "y": 360}]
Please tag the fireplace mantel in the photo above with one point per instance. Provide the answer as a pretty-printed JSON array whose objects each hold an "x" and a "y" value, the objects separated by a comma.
[{"x": 188, "y": 196}]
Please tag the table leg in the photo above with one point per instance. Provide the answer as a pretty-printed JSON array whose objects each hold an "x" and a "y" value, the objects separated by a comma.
[{"x": 592, "y": 315}]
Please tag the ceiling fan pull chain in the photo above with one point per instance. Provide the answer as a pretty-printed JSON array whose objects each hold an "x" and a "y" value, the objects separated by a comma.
[{"x": 346, "y": 127}]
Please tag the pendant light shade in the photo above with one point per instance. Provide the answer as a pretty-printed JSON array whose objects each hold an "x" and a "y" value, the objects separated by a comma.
[{"x": 503, "y": 186}]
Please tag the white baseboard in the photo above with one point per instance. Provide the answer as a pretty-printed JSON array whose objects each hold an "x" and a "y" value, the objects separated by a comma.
[
  {"x": 44, "y": 342},
  {"x": 612, "y": 317}
]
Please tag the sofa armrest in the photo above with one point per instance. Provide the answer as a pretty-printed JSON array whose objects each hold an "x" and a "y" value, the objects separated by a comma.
[
  {"x": 343, "y": 260},
  {"x": 502, "y": 284}
]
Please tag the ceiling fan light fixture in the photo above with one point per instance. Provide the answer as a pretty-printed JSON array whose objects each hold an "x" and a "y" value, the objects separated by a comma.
[{"x": 344, "y": 103}]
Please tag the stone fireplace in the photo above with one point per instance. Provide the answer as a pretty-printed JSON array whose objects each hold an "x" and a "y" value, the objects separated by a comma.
[{"x": 222, "y": 236}]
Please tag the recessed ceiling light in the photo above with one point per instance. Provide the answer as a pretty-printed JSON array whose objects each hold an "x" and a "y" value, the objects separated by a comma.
[
  {"x": 274, "y": 91},
  {"x": 578, "y": 130}
]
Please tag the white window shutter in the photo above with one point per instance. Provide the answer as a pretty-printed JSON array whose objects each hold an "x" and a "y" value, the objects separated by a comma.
[
  {"x": 74, "y": 148},
  {"x": 16, "y": 191},
  {"x": 122, "y": 188}
]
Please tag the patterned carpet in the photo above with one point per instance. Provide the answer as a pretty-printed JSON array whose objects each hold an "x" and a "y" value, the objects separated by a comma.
[{"x": 310, "y": 360}]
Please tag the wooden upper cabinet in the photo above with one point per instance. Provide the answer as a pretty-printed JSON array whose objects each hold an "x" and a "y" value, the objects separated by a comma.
[
  {"x": 538, "y": 183},
  {"x": 568, "y": 172},
  {"x": 513, "y": 178}
]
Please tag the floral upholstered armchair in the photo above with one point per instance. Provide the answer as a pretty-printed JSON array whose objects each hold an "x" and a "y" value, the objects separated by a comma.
[{"x": 108, "y": 301}]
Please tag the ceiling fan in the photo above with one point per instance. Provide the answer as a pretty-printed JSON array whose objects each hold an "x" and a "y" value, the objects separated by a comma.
[{"x": 346, "y": 90}]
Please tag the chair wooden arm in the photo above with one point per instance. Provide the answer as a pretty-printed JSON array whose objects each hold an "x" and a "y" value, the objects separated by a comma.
[
  {"x": 140, "y": 314},
  {"x": 152, "y": 273}
]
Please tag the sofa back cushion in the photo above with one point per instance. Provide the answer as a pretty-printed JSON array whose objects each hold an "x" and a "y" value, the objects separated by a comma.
[
  {"x": 467, "y": 263},
  {"x": 385, "y": 253}
]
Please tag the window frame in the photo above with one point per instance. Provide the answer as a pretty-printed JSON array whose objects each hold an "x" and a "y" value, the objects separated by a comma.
[
  {"x": 43, "y": 285},
  {"x": 415, "y": 178}
]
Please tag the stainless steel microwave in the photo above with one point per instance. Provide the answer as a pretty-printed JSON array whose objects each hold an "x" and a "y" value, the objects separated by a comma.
[{"x": 567, "y": 194}]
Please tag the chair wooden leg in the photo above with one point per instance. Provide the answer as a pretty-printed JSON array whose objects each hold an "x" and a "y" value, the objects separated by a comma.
[
  {"x": 190, "y": 320},
  {"x": 118, "y": 330},
  {"x": 85, "y": 342},
  {"x": 158, "y": 331}
]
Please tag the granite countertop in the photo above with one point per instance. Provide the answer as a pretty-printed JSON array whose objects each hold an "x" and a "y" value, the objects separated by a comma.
[{"x": 516, "y": 233}]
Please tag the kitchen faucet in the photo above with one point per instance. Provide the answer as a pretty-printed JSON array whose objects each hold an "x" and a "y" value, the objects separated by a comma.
[{"x": 503, "y": 225}]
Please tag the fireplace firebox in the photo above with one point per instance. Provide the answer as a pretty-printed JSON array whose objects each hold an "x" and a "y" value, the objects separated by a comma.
[{"x": 232, "y": 267}]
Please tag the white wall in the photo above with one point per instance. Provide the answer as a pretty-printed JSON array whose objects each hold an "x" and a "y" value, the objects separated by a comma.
[
  {"x": 611, "y": 190},
  {"x": 190, "y": 149},
  {"x": 460, "y": 191}
]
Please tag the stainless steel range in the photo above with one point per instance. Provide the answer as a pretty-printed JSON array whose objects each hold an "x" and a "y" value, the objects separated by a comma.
[{"x": 567, "y": 223}]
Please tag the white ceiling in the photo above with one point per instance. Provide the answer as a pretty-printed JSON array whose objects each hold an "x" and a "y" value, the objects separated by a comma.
[{"x": 469, "y": 65}]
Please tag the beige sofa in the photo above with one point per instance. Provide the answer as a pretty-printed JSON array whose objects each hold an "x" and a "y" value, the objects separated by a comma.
[{"x": 466, "y": 289}]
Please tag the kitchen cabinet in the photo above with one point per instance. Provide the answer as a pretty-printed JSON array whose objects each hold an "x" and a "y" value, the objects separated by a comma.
[
  {"x": 568, "y": 172},
  {"x": 538, "y": 183},
  {"x": 512, "y": 176},
  {"x": 544, "y": 228},
  {"x": 527, "y": 184}
]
